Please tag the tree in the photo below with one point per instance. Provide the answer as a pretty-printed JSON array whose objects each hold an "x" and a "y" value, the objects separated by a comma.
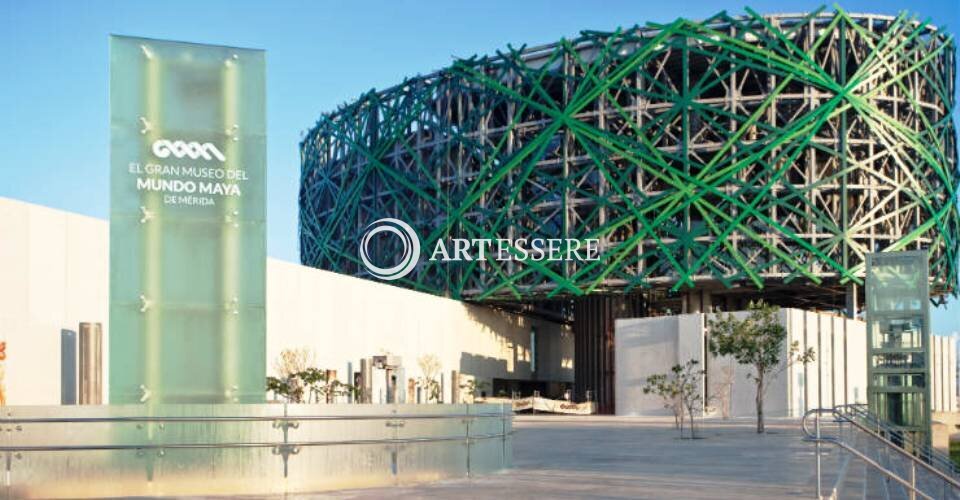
[
  {"x": 665, "y": 386},
  {"x": 315, "y": 382},
  {"x": 688, "y": 377},
  {"x": 289, "y": 365},
  {"x": 430, "y": 368},
  {"x": 756, "y": 341},
  {"x": 474, "y": 388},
  {"x": 680, "y": 391},
  {"x": 292, "y": 361},
  {"x": 281, "y": 387},
  {"x": 299, "y": 382},
  {"x": 333, "y": 388}
]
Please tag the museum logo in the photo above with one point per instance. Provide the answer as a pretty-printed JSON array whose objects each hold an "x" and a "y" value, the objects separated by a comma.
[
  {"x": 408, "y": 238},
  {"x": 162, "y": 148},
  {"x": 472, "y": 249}
]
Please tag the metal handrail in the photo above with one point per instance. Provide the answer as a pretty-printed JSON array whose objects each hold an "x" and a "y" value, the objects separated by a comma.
[
  {"x": 844, "y": 418},
  {"x": 275, "y": 419},
  {"x": 926, "y": 452},
  {"x": 252, "y": 418},
  {"x": 838, "y": 416},
  {"x": 280, "y": 442},
  {"x": 271, "y": 444}
]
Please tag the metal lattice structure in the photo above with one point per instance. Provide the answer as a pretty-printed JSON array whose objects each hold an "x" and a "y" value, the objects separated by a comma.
[{"x": 736, "y": 152}]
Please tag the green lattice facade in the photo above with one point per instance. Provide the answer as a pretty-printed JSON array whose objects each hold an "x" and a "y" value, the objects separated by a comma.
[{"x": 752, "y": 152}]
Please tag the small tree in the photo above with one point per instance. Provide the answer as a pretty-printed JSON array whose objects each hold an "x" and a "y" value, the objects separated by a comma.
[
  {"x": 680, "y": 391},
  {"x": 665, "y": 386},
  {"x": 688, "y": 377},
  {"x": 430, "y": 368},
  {"x": 292, "y": 361},
  {"x": 334, "y": 388},
  {"x": 756, "y": 341},
  {"x": 299, "y": 382},
  {"x": 314, "y": 381},
  {"x": 289, "y": 365},
  {"x": 473, "y": 387},
  {"x": 354, "y": 392},
  {"x": 281, "y": 387}
]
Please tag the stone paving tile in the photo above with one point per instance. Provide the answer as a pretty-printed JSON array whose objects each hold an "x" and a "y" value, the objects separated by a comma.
[{"x": 621, "y": 457}]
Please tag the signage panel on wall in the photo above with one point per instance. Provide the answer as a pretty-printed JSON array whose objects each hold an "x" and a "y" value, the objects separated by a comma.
[{"x": 187, "y": 222}]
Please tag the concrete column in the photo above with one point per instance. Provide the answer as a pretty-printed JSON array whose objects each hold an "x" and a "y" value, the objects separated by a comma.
[
  {"x": 696, "y": 301},
  {"x": 852, "y": 300},
  {"x": 443, "y": 388},
  {"x": 68, "y": 367},
  {"x": 366, "y": 380},
  {"x": 349, "y": 379},
  {"x": 454, "y": 386},
  {"x": 91, "y": 364}
]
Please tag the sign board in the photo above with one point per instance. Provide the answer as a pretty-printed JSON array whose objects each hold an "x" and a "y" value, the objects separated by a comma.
[{"x": 187, "y": 223}]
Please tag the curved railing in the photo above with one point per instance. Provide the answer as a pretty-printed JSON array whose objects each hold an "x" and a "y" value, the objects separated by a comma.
[{"x": 122, "y": 451}]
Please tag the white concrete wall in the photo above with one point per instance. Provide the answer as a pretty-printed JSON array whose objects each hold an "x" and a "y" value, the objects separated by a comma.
[
  {"x": 837, "y": 376},
  {"x": 342, "y": 319},
  {"x": 839, "y": 373},
  {"x": 54, "y": 272},
  {"x": 644, "y": 347},
  {"x": 943, "y": 354},
  {"x": 54, "y": 267}
]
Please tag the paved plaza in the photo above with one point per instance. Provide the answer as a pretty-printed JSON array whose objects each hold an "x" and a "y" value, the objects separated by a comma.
[{"x": 621, "y": 457}]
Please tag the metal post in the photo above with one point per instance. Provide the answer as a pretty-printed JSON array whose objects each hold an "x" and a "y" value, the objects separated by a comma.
[
  {"x": 467, "y": 422},
  {"x": 913, "y": 480},
  {"x": 503, "y": 434},
  {"x": 819, "y": 487}
]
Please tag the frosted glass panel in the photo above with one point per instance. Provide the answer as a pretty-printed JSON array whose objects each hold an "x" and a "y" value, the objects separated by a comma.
[
  {"x": 187, "y": 223},
  {"x": 144, "y": 450}
]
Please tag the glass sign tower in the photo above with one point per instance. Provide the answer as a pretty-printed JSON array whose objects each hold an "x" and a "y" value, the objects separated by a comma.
[{"x": 898, "y": 343}]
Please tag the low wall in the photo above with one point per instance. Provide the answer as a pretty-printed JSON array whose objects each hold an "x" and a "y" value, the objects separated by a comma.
[{"x": 137, "y": 450}]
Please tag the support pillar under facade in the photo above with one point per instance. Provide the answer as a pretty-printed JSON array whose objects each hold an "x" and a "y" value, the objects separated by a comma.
[
  {"x": 593, "y": 330},
  {"x": 696, "y": 301},
  {"x": 852, "y": 301}
]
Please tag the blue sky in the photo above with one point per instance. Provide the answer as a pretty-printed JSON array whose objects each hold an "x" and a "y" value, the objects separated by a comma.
[{"x": 54, "y": 131}]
